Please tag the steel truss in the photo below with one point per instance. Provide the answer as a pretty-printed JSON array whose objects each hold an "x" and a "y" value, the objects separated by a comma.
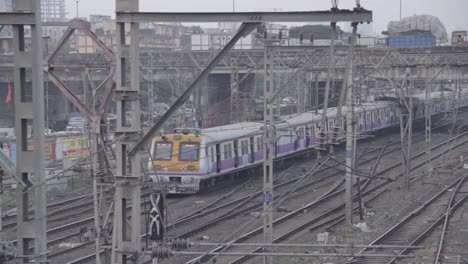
[
  {"x": 95, "y": 113},
  {"x": 127, "y": 162},
  {"x": 296, "y": 56}
]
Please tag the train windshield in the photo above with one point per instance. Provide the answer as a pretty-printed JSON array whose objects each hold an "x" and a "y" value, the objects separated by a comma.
[
  {"x": 162, "y": 151},
  {"x": 189, "y": 151}
]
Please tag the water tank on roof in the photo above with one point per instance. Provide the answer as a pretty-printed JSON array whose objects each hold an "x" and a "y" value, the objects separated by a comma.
[{"x": 419, "y": 23}]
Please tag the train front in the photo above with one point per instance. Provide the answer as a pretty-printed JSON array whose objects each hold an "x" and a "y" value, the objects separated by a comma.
[{"x": 175, "y": 162}]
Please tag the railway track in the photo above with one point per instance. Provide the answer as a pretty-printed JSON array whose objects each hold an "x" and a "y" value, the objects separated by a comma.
[
  {"x": 332, "y": 214},
  {"x": 52, "y": 206},
  {"x": 236, "y": 206},
  {"x": 249, "y": 203},
  {"x": 420, "y": 223}
]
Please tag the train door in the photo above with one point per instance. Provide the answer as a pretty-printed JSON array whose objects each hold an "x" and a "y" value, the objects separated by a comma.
[
  {"x": 368, "y": 120},
  {"x": 361, "y": 121},
  {"x": 252, "y": 149},
  {"x": 381, "y": 117},
  {"x": 236, "y": 153},
  {"x": 218, "y": 158},
  {"x": 308, "y": 134}
]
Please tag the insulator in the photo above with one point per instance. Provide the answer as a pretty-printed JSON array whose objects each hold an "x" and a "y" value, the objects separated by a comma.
[
  {"x": 179, "y": 244},
  {"x": 161, "y": 252}
]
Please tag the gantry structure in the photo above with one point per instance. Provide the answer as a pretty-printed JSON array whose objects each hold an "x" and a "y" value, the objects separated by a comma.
[{"x": 395, "y": 65}]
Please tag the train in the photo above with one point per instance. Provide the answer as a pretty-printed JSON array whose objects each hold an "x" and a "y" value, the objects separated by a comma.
[{"x": 189, "y": 160}]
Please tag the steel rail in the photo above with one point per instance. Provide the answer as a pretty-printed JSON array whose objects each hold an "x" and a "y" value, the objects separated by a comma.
[
  {"x": 91, "y": 256},
  {"x": 383, "y": 183}
]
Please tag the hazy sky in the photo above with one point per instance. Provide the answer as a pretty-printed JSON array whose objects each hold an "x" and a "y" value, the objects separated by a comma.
[{"x": 452, "y": 12}]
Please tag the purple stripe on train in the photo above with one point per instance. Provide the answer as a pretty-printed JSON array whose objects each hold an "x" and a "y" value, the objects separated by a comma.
[
  {"x": 285, "y": 148},
  {"x": 227, "y": 164}
]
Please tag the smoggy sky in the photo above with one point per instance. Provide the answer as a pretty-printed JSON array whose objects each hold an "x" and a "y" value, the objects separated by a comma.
[{"x": 451, "y": 12}]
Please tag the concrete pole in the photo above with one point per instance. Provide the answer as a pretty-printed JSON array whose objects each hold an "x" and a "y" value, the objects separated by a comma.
[
  {"x": 29, "y": 113},
  {"x": 350, "y": 137},
  {"x": 308, "y": 92},
  {"x": 300, "y": 94},
  {"x": 316, "y": 95},
  {"x": 97, "y": 189},
  {"x": 344, "y": 87},
  {"x": 410, "y": 135},
  {"x": 428, "y": 122},
  {"x": 235, "y": 97},
  {"x": 407, "y": 131},
  {"x": 331, "y": 63},
  {"x": 128, "y": 189},
  {"x": 269, "y": 141}
]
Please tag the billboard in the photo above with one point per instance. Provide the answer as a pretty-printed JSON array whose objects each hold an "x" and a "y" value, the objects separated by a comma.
[{"x": 460, "y": 38}]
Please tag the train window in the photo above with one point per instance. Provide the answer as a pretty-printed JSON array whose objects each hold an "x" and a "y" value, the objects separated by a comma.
[
  {"x": 229, "y": 151},
  {"x": 259, "y": 144},
  {"x": 245, "y": 147},
  {"x": 225, "y": 151},
  {"x": 189, "y": 151},
  {"x": 300, "y": 133},
  {"x": 212, "y": 155},
  {"x": 162, "y": 151}
]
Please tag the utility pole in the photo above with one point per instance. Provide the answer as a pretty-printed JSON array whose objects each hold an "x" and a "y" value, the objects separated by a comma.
[
  {"x": 316, "y": 95},
  {"x": 128, "y": 171},
  {"x": 236, "y": 112},
  {"x": 97, "y": 164},
  {"x": 29, "y": 116},
  {"x": 401, "y": 8},
  {"x": 331, "y": 64},
  {"x": 406, "y": 122},
  {"x": 269, "y": 140},
  {"x": 344, "y": 88},
  {"x": 300, "y": 93},
  {"x": 77, "y": 8},
  {"x": 428, "y": 122},
  {"x": 350, "y": 134}
]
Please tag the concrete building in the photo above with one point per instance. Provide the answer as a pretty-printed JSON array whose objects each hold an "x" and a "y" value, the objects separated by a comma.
[
  {"x": 216, "y": 41},
  {"x": 161, "y": 36},
  {"x": 53, "y": 10},
  {"x": 6, "y": 6}
]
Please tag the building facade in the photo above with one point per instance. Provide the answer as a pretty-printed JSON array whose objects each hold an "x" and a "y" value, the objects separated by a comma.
[
  {"x": 6, "y": 6},
  {"x": 53, "y": 10}
]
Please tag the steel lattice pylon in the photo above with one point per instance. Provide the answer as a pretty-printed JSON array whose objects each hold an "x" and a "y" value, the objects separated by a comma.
[{"x": 94, "y": 113}]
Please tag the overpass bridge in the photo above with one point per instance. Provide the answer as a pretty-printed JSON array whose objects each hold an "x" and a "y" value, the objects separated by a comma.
[{"x": 233, "y": 81}]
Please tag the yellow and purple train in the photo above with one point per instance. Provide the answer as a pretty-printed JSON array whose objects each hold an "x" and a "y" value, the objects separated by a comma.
[{"x": 192, "y": 159}]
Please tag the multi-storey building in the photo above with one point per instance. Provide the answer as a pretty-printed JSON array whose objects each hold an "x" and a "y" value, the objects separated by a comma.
[
  {"x": 53, "y": 10},
  {"x": 5, "y": 5}
]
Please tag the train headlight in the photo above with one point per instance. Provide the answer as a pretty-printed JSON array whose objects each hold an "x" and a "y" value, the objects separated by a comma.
[
  {"x": 158, "y": 167},
  {"x": 191, "y": 168}
]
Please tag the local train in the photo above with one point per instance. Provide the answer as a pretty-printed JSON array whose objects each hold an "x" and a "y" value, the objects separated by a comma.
[{"x": 189, "y": 160}]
